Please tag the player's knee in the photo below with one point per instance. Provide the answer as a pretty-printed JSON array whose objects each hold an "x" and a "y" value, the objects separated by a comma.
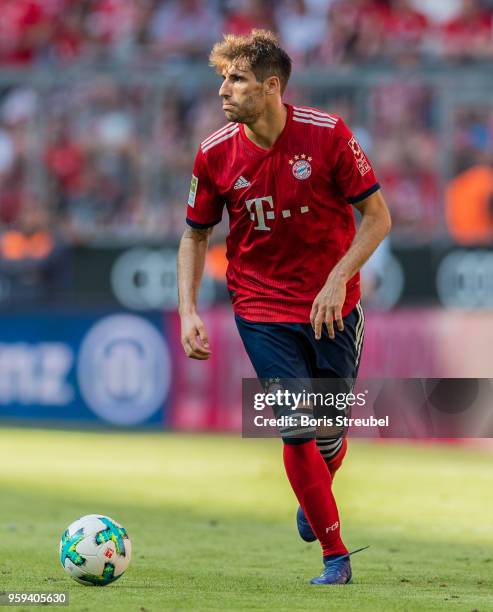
[{"x": 329, "y": 447}]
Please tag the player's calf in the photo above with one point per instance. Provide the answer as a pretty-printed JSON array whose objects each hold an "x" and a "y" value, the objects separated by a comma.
[{"x": 333, "y": 451}]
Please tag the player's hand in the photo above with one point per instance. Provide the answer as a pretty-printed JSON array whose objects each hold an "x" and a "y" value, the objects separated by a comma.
[
  {"x": 194, "y": 337},
  {"x": 327, "y": 307}
]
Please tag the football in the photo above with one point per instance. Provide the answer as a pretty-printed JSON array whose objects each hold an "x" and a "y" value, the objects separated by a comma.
[{"x": 95, "y": 550}]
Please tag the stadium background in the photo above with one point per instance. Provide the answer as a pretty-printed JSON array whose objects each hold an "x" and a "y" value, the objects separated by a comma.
[{"x": 102, "y": 106}]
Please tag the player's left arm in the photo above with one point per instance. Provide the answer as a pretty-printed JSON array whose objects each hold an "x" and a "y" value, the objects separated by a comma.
[{"x": 375, "y": 225}]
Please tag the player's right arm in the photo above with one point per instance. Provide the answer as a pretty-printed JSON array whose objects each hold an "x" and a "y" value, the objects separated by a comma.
[
  {"x": 203, "y": 212},
  {"x": 191, "y": 259}
]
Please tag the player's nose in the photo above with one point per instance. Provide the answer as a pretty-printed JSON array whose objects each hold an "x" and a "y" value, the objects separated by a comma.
[{"x": 224, "y": 89}]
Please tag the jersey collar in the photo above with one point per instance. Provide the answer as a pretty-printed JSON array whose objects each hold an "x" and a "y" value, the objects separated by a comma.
[{"x": 251, "y": 145}]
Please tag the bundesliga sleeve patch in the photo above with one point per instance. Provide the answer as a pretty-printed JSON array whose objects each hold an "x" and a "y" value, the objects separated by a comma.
[
  {"x": 361, "y": 161},
  {"x": 193, "y": 190}
]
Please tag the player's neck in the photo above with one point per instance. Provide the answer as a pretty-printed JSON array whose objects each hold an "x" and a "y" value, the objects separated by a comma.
[{"x": 267, "y": 129}]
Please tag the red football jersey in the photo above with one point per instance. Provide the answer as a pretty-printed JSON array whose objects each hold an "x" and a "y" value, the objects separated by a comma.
[{"x": 290, "y": 214}]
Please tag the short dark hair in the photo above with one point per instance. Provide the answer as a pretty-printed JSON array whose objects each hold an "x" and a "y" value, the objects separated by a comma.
[{"x": 259, "y": 50}]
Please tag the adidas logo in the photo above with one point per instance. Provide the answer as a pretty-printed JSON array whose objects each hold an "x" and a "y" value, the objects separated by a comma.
[{"x": 241, "y": 183}]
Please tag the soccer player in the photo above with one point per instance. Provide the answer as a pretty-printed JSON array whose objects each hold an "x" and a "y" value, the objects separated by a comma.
[{"x": 288, "y": 176}]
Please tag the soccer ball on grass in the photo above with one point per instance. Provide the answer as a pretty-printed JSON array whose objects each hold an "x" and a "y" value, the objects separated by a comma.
[{"x": 95, "y": 550}]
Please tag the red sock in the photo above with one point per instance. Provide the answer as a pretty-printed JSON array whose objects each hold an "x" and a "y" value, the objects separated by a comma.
[
  {"x": 335, "y": 463},
  {"x": 312, "y": 484}
]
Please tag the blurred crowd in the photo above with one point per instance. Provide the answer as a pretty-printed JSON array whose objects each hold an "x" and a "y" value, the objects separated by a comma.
[
  {"x": 328, "y": 31},
  {"x": 104, "y": 157}
]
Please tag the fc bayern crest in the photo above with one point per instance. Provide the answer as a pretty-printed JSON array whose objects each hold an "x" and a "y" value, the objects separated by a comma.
[{"x": 302, "y": 168}]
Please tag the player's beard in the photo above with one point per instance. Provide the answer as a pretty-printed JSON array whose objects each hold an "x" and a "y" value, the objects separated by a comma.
[{"x": 247, "y": 113}]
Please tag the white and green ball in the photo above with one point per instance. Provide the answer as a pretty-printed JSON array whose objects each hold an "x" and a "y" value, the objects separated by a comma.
[{"x": 95, "y": 550}]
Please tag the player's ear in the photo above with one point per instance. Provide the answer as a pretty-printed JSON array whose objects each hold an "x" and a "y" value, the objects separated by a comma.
[{"x": 272, "y": 85}]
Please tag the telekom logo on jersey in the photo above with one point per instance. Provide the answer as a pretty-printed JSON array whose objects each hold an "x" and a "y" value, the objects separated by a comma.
[
  {"x": 259, "y": 213},
  {"x": 256, "y": 208}
]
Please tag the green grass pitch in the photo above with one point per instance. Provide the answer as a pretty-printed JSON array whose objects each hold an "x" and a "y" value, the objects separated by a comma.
[{"x": 212, "y": 522}]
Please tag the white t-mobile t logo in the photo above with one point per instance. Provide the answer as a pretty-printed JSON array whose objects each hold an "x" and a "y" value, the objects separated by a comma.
[{"x": 256, "y": 209}]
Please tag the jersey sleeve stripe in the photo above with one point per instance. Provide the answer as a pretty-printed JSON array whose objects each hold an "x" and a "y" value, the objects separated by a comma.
[
  {"x": 315, "y": 117},
  {"x": 313, "y": 111},
  {"x": 221, "y": 139},
  {"x": 364, "y": 195},
  {"x": 196, "y": 225},
  {"x": 327, "y": 125},
  {"x": 220, "y": 132}
]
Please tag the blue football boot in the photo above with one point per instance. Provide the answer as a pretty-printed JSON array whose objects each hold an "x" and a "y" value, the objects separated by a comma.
[
  {"x": 337, "y": 569},
  {"x": 304, "y": 528}
]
